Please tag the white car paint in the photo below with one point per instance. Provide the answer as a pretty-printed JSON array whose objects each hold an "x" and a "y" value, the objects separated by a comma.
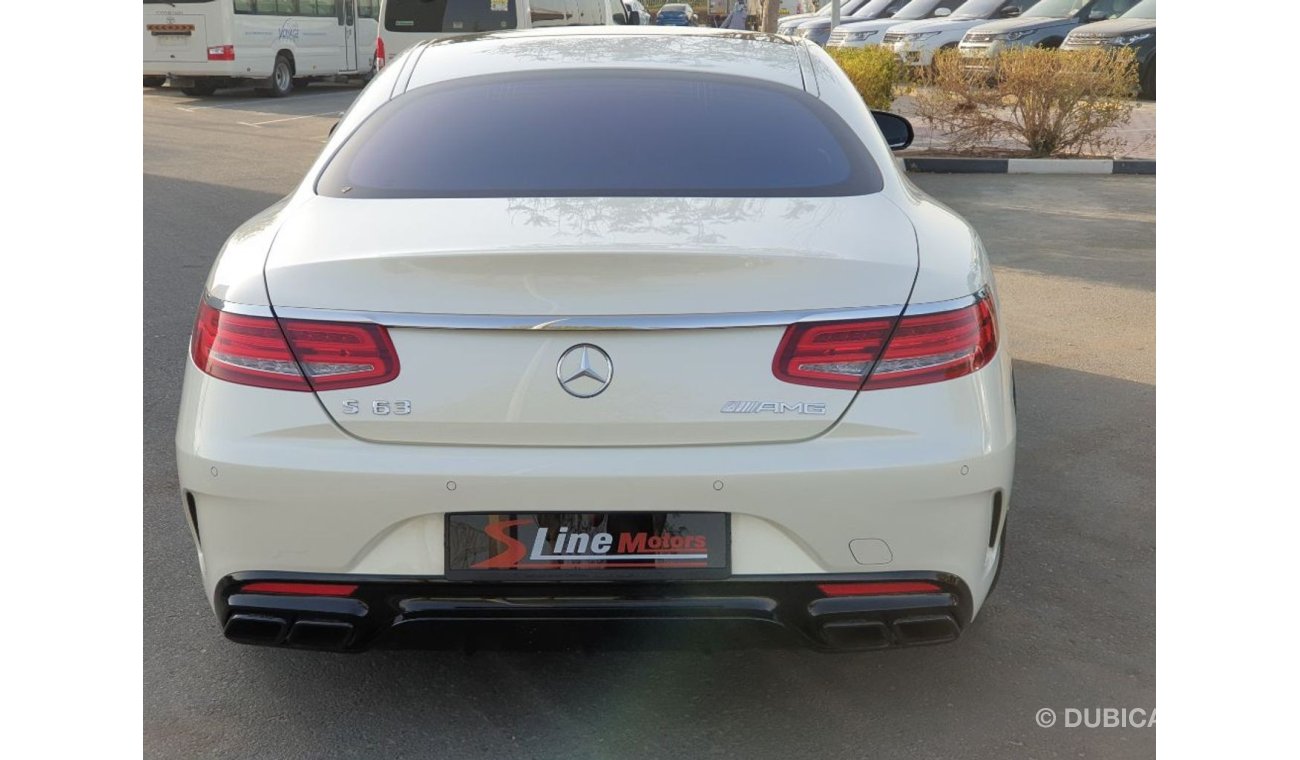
[{"x": 895, "y": 480}]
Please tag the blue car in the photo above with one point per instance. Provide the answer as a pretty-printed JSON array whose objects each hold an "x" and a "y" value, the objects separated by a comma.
[{"x": 676, "y": 14}]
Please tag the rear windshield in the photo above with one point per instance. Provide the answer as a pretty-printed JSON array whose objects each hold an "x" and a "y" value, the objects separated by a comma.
[
  {"x": 459, "y": 16},
  {"x": 601, "y": 133}
]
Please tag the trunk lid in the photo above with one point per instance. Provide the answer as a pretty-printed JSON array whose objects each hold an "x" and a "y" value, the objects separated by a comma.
[{"x": 677, "y": 293}]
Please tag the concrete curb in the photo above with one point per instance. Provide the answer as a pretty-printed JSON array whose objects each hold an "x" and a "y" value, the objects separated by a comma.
[{"x": 944, "y": 165}]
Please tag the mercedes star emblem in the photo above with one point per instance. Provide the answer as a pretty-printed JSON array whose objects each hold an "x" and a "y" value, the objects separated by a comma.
[{"x": 584, "y": 370}]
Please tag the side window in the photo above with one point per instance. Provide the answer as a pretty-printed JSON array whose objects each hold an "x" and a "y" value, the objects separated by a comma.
[
  {"x": 286, "y": 7},
  {"x": 619, "y": 13},
  {"x": 366, "y": 9},
  {"x": 547, "y": 13},
  {"x": 326, "y": 8},
  {"x": 245, "y": 6}
]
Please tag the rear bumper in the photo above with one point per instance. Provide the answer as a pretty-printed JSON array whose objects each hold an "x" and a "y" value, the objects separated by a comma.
[
  {"x": 909, "y": 480},
  {"x": 744, "y": 611},
  {"x": 202, "y": 69}
]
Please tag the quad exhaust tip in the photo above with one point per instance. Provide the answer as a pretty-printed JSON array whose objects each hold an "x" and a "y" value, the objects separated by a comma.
[
  {"x": 256, "y": 629},
  {"x": 876, "y": 634},
  {"x": 321, "y": 634},
  {"x": 857, "y": 634},
  {"x": 931, "y": 629},
  {"x": 270, "y": 630}
]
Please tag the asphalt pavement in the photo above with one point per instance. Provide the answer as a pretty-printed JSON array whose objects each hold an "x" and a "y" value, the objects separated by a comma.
[{"x": 1070, "y": 626}]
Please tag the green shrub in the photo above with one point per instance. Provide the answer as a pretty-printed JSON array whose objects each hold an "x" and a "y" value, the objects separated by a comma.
[
  {"x": 1054, "y": 102},
  {"x": 873, "y": 71}
]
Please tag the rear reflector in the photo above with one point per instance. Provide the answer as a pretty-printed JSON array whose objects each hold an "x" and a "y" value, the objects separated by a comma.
[
  {"x": 881, "y": 588},
  {"x": 300, "y": 589},
  {"x": 221, "y": 53},
  {"x": 262, "y": 352},
  {"x": 923, "y": 348}
]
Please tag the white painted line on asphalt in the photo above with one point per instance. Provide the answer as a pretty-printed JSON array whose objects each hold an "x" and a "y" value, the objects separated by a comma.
[
  {"x": 1059, "y": 165},
  {"x": 258, "y": 124}
]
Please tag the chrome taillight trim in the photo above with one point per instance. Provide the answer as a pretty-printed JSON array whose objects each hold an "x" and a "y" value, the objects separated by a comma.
[
  {"x": 594, "y": 322},
  {"x": 242, "y": 309},
  {"x": 714, "y": 321},
  {"x": 952, "y": 304}
]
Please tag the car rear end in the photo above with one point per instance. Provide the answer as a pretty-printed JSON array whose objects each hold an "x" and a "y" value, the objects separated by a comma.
[
  {"x": 188, "y": 38},
  {"x": 811, "y": 531},
  {"x": 672, "y": 18},
  {"x": 752, "y": 408}
]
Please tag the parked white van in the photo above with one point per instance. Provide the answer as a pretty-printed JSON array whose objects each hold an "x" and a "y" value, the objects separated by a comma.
[
  {"x": 276, "y": 45},
  {"x": 406, "y": 22}
]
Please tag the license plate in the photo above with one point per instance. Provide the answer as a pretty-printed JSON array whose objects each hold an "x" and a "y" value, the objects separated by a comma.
[{"x": 570, "y": 545}]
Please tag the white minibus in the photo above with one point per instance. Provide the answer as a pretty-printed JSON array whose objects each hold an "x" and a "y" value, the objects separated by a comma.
[{"x": 274, "y": 45}]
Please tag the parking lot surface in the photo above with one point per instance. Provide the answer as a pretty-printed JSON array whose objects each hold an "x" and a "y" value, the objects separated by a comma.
[{"x": 1071, "y": 624}]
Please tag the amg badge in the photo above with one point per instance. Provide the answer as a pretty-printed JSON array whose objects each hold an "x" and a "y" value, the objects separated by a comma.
[{"x": 774, "y": 407}]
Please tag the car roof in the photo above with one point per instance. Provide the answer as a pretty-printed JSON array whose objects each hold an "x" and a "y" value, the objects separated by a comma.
[{"x": 755, "y": 55}]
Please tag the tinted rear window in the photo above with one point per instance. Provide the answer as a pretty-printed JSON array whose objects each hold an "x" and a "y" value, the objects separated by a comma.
[
  {"x": 457, "y": 16},
  {"x": 601, "y": 134}
]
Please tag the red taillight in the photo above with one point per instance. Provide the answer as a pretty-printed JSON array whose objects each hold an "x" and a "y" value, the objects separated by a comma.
[
  {"x": 341, "y": 355},
  {"x": 245, "y": 350},
  {"x": 923, "y": 348},
  {"x": 301, "y": 589},
  {"x": 927, "y": 348},
  {"x": 880, "y": 588},
  {"x": 221, "y": 53},
  {"x": 262, "y": 352},
  {"x": 830, "y": 354},
  {"x": 380, "y": 58}
]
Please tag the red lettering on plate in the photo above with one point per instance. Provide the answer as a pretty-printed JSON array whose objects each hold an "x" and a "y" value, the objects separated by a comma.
[
  {"x": 631, "y": 543},
  {"x": 514, "y": 551}
]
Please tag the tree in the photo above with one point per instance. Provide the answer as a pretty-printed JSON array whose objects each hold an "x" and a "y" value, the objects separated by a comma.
[{"x": 771, "y": 12}]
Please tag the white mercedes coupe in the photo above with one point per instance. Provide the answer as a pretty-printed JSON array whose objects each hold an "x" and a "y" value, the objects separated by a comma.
[{"x": 492, "y": 370}]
